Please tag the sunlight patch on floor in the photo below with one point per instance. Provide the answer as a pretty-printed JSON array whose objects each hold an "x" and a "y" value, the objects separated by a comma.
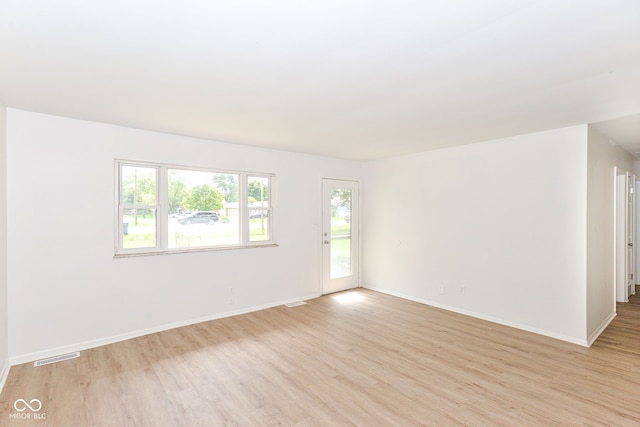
[{"x": 349, "y": 297}]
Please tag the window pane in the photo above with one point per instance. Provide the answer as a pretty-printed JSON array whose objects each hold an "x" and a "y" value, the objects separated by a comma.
[
  {"x": 258, "y": 191},
  {"x": 139, "y": 228},
  {"x": 203, "y": 209},
  {"x": 341, "y": 233},
  {"x": 259, "y": 225},
  {"x": 258, "y": 202},
  {"x": 138, "y": 186}
]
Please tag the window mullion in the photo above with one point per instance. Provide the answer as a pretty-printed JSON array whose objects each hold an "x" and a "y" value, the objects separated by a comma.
[
  {"x": 119, "y": 209},
  {"x": 162, "y": 223},
  {"x": 243, "y": 209},
  {"x": 270, "y": 208}
]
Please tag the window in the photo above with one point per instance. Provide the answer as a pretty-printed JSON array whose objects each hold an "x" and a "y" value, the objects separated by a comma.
[
  {"x": 139, "y": 206},
  {"x": 258, "y": 191},
  {"x": 163, "y": 208}
]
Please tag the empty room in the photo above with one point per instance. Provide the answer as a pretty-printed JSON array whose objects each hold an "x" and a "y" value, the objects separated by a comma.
[{"x": 319, "y": 214}]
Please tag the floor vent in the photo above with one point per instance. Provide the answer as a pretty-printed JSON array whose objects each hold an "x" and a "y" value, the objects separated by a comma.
[
  {"x": 295, "y": 304},
  {"x": 55, "y": 359}
]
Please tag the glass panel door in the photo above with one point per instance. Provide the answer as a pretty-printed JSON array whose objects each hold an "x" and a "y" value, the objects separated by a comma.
[{"x": 340, "y": 235}]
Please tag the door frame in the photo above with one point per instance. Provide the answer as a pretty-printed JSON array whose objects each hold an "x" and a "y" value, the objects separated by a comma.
[
  {"x": 624, "y": 224},
  {"x": 356, "y": 224}
]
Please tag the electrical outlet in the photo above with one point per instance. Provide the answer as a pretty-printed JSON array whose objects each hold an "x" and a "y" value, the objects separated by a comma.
[
  {"x": 463, "y": 290},
  {"x": 442, "y": 290}
]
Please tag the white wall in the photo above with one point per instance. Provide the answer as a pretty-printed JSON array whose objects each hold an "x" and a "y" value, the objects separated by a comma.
[
  {"x": 506, "y": 219},
  {"x": 602, "y": 157},
  {"x": 66, "y": 289},
  {"x": 4, "y": 366}
]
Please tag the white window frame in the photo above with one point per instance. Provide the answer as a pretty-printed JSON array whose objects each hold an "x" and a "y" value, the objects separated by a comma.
[
  {"x": 248, "y": 210},
  {"x": 162, "y": 203}
]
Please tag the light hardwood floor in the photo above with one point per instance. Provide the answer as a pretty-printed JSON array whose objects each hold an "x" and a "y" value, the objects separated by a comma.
[{"x": 377, "y": 360}]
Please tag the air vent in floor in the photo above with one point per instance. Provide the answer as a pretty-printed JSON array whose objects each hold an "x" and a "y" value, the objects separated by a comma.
[
  {"x": 55, "y": 359},
  {"x": 295, "y": 304}
]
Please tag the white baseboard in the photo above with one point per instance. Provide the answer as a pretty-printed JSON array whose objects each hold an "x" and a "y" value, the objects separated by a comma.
[
  {"x": 31, "y": 357},
  {"x": 527, "y": 328},
  {"x": 594, "y": 336}
]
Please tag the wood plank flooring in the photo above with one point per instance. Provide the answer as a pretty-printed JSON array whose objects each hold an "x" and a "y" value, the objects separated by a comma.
[{"x": 374, "y": 361}]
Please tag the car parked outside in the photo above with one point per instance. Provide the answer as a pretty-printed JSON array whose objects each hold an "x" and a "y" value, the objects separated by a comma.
[
  {"x": 259, "y": 214},
  {"x": 202, "y": 217}
]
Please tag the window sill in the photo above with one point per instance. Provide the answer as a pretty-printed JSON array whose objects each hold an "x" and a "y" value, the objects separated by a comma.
[{"x": 191, "y": 250}]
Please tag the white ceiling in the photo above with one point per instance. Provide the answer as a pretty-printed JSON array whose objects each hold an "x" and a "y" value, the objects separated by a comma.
[{"x": 357, "y": 79}]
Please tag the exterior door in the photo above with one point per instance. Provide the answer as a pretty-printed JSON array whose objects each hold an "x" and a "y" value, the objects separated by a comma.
[
  {"x": 340, "y": 237},
  {"x": 625, "y": 235},
  {"x": 631, "y": 222}
]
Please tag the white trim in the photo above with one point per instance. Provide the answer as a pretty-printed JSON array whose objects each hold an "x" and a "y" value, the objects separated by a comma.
[
  {"x": 120, "y": 207},
  {"x": 162, "y": 213},
  {"x": 615, "y": 238},
  {"x": 527, "y": 328},
  {"x": 4, "y": 374},
  {"x": 32, "y": 357},
  {"x": 254, "y": 245},
  {"x": 243, "y": 202},
  {"x": 594, "y": 336},
  {"x": 118, "y": 229},
  {"x": 271, "y": 182}
]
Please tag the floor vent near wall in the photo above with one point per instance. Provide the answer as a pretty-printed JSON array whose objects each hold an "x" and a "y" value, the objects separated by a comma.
[
  {"x": 55, "y": 359},
  {"x": 295, "y": 304}
]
